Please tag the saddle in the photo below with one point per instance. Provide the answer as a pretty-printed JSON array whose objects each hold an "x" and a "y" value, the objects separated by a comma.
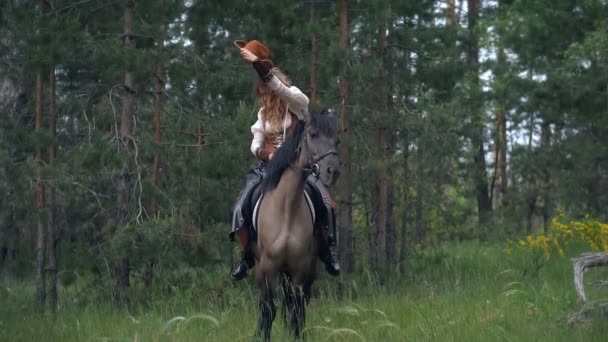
[{"x": 313, "y": 197}]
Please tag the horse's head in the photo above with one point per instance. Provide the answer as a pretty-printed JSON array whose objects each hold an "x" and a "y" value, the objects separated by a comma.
[
  {"x": 310, "y": 147},
  {"x": 321, "y": 141}
]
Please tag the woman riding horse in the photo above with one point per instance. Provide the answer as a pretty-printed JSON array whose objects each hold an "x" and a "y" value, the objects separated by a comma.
[{"x": 283, "y": 105}]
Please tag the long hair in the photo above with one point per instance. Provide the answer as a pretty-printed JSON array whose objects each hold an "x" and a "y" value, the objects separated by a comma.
[
  {"x": 284, "y": 156},
  {"x": 274, "y": 107}
]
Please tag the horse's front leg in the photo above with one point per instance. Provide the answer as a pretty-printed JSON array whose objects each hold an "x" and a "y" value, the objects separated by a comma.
[
  {"x": 267, "y": 314},
  {"x": 267, "y": 307},
  {"x": 299, "y": 312}
]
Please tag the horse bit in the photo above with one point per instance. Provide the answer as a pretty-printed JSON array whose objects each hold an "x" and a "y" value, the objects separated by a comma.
[{"x": 313, "y": 162}]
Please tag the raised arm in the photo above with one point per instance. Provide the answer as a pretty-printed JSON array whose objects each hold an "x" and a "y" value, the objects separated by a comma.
[{"x": 293, "y": 96}]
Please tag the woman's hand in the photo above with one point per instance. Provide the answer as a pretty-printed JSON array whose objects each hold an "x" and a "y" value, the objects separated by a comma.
[
  {"x": 265, "y": 155},
  {"x": 248, "y": 55}
]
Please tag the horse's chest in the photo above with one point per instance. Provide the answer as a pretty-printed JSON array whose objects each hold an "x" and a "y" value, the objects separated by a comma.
[{"x": 275, "y": 213}]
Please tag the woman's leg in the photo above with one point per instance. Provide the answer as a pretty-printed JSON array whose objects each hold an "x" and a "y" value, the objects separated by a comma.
[
  {"x": 239, "y": 270},
  {"x": 240, "y": 226},
  {"x": 328, "y": 253},
  {"x": 242, "y": 236}
]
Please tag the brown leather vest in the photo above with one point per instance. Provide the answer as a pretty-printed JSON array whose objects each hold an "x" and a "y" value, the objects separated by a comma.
[{"x": 274, "y": 141}]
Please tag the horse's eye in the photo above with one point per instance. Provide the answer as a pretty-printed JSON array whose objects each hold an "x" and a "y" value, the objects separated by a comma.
[{"x": 313, "y": 135}]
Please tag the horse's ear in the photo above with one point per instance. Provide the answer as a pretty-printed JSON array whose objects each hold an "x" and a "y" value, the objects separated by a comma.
[
  {"x": 329, "y": 112},
  {"x": 307, "y": 116}
]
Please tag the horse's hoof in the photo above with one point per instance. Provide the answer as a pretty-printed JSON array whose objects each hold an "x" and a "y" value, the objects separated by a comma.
[{"x": 333, "y": 269}]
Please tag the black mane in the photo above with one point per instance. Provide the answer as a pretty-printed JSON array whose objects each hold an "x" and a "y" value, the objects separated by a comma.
[{"x": 283, "y": 157}]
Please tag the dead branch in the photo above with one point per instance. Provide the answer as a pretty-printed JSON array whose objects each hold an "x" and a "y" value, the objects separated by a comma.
[
  {"x": 196, "y": 135},
  {"x": 582, "y": 263},
  {"x": 600, "y": 283},
  {"x": 587, "y": 312}
]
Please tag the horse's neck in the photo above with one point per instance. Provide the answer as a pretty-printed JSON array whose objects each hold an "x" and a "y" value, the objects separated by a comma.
[{"x": 291, "y": 185}]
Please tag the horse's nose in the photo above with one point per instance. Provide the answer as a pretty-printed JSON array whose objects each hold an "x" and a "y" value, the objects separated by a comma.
[{"x": 333, "y": 172}]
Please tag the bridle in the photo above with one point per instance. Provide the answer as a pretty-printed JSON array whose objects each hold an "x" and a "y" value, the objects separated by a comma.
[{"x": 313, "y": 161}]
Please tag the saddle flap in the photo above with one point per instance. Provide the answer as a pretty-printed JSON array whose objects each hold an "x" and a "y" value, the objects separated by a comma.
[{"x": 256, "y": 210}]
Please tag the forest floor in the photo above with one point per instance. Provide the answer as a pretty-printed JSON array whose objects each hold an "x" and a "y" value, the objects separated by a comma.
[{"x": 464, "y": 292}]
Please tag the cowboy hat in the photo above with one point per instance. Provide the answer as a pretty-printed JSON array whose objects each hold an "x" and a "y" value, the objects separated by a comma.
[
  {"x": 257, "y": 48},
  {"x": 254, "y": 46}
]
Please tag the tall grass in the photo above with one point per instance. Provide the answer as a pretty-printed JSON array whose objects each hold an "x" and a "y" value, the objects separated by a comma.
[{"x": 464, "y": 292}]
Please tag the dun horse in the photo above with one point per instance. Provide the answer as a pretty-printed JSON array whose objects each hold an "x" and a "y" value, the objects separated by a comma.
[{"x": 287, "y": 245}]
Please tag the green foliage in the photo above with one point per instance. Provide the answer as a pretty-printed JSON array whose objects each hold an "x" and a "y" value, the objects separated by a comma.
[
  {"x": 472, "y": 294},
  {"x": 417, "y": 89},
  {"x": 534, "y": 252}
]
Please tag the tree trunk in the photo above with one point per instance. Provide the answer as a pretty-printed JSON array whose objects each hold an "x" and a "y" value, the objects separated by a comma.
[
  {"x": 403, "y": 242},
  {"x": 200, "y": 142},
  {"x": 546, "y": 174},
  {"x": 52, "y": 229},
  {"x": 346, "y": 238},
  {"x": 127, "y": 143},
  {"x": 532, "y": 194},
  {"x": 450, "y": 16},
  {"x": 446, "y": 161},
  {"x": 391, "y": 233},
  {"x": 499, "y": 184},
  {"x": 382, "y": 202},
  {"x": 158, "y": 107},
  {"x": 484, "y": 201},
  {"x": 420, "y": 229},
  {"x": 41, "y": 236},
  {"x": 313, "y": 58}
]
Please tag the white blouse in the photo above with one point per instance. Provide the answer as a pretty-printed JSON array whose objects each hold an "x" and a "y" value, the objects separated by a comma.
[{"x": 297, "y": 103}]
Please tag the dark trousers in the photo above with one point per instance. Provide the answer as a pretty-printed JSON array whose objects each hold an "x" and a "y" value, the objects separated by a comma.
[{"x": 241, "y": 216}]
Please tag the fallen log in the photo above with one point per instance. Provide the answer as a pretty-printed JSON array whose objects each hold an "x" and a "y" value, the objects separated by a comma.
[{"x": 581, "y": 264}]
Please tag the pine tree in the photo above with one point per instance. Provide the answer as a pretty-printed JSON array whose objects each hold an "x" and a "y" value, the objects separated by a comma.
[
  {"x": 484, "y": 205},
  {"x": 126, "y": 140},
  {"x": 499, "y": 180},
  {"x": 40, "y": 199},
  {"x": 52, "y": 221},
  {"x": 345, "y": 221}
]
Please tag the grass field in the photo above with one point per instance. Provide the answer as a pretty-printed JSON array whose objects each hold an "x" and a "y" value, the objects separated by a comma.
[{"x": 470, "y": 293}]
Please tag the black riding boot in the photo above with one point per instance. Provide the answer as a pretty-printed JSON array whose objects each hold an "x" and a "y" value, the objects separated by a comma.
[
  {"x": 332, "y": 263},
  {"x": 240, "y": 268}
]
